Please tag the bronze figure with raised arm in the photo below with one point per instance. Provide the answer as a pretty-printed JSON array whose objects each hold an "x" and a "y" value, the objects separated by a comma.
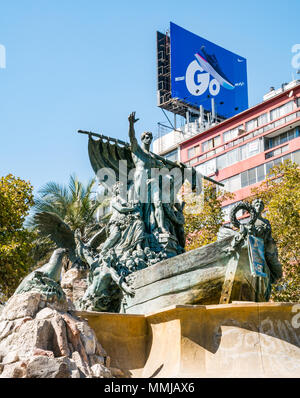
[{"x": 146, "y": 188}]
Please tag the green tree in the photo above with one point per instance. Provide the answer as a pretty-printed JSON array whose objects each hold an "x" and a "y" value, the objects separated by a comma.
[
  {"x": 16, "y": 242},
  {"x": 203, "y": 215},
  {"x": 72, "y": 203},
  {"x": 59, "y": 211},
  {"x": 281, "y": 195}
]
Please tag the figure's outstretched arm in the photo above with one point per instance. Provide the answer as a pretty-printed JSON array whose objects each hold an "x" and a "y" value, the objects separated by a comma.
[{"x": 132, "y": 137}]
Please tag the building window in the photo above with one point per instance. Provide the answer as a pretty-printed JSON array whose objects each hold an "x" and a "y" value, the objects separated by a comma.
[
  {"x": 273, "y": 163},
  {"x": 191, "y": 153},
  {"x": 194, "y": 151},
  {"x": 234, "y": 183},
  {"x": 279, "y": 122},
  {"x": 207, "y": 168},
  {"x": 277, "y": 151},
  {"x": 296, "y": 157},
  {"x": 207, "y": 145},
  {"x": 232, "y": 134},
  {"x": 251, "y": 125},
  {"x": 275, "y": 113},
  {"x": 212, "y": 143},
  {"x": 281, "y": 138},
  {"x": 290, "y": 117},
  {"x": 244, "y": 179},
  {"x": 211, "y": 153},
  {"x": 233, "y": 156},
  {"x": 217, "y": 140},
  {"x": 259, "y": 121},
  {"x": 268, "y": 127},
  {"x": 229, "y": 145},
  {"x": 241, "y": 153},
  {"x": 173, "y": 155},
  {"x": 220, "y": 149},
  {"x": 202, "y": 157},
  {"x": 256, "y": 174},
  {"x": 269, "y": 165},
  {"x": 222, "y": 161},
  {"x": 238, "y": 141},
  {"x": 253, "y": 148},
  {"x": 201, "y": 168},
  {"x": 252, "y": 176},
  {"x": 282, "y": 110},
  {"x": 248, "y": 150},
  {"x": 261, "y": 173},
  {"x": 257, "y": 132},
  {"x": 263, "y": 119}
]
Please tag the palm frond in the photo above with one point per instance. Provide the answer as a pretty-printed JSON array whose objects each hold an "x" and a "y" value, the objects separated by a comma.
[
  {"x": 53, "y": 197},
  {"x": 55, "y": 190},
  {"x": 73, "y": 204}
]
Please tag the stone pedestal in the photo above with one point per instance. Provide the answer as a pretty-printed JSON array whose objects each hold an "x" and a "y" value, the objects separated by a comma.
[{"x": 225, "y": 340}]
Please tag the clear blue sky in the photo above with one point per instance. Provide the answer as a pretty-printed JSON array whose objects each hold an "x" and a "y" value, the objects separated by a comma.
[{"x": 74, "y": 64}]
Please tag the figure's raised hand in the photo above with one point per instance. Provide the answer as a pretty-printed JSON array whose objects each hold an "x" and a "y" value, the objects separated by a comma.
[{"x": 132, "y": 118}]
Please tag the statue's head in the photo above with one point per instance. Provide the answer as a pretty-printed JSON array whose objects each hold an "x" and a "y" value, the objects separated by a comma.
[
  {"x": 58, "y": 254},
  {"x": 147, "y": 137},
  {"x": 258, "y": 205}
]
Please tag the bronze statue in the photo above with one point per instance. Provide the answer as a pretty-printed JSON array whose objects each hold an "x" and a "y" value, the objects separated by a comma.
[
  {"x": 258, "y": 227},
  {"x": 146, "y": 189},
  {"x": 146, "y": 225},
  {"x": 144, "y": 192},
  {"x": 125, "y": 229},
  {"x": 262, "y": 229},
  {"x": 45, "y": 280}
]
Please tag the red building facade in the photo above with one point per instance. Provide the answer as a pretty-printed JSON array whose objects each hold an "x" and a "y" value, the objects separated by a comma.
[{"x": 240, "y": 151}]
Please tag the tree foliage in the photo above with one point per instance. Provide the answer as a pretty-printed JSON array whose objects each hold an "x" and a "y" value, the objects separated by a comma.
[
  {"x": 72, "y": 203},
  {"x": 203, "y": 215},
  {"x": 16, "y": 198},
  {"x": 281, "y": 195}
]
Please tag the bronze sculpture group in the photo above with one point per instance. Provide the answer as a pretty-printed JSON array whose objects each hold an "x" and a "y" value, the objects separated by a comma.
[
  {"x": 146, "y": 224},
  {"x": 143, "y": 229}
]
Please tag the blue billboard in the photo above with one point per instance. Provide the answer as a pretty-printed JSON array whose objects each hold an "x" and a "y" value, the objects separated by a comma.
[{"x": 201, "y": 70}]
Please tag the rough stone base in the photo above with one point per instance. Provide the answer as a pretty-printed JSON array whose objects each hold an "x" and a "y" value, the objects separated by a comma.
[
  {"x": 39, "y": 339},
  {"x": 74, "y": 284}
]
